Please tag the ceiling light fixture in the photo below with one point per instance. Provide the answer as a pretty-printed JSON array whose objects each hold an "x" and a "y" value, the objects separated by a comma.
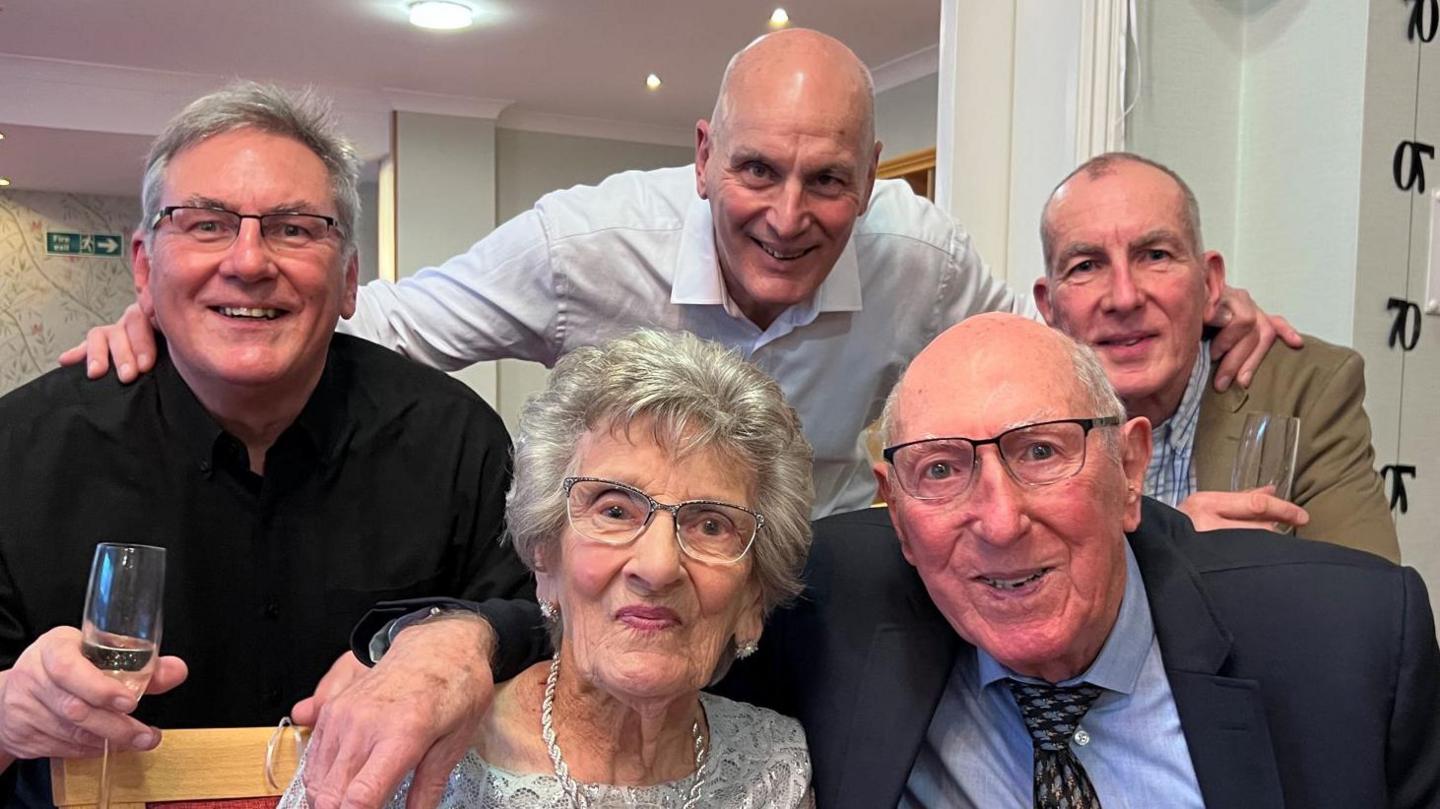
[
  {"x": 4, "y": 181},
  {"x": 441, "y": 15},
  {"x": 653, "y": 82},
  {"x": 779, "y": 19},
  {"x": 2, "y": 136}
]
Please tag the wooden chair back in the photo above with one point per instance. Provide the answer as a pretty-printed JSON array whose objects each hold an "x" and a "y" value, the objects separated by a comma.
[{"x": 211, "y": 767}]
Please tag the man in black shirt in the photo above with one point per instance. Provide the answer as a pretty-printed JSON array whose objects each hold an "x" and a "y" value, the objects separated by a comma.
[{"x": 294, "y": 476}]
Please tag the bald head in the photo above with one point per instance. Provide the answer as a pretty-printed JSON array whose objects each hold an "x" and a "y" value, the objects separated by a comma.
[
  {"x": 1107, "y": 165},
  {"x": 799, "y": 67},
  {"x": 974, "y": 358}
]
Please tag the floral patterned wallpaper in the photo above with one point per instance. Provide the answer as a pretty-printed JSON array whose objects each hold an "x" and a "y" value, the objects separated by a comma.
[{"x": 48, "y": 302}]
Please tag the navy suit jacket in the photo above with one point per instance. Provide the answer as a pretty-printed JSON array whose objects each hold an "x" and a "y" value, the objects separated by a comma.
[{"x": 1304, "y": 674}]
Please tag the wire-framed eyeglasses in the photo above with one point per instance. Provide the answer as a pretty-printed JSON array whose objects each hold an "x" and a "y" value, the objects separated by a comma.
[
  {"x": 615, "y": 513},
  {"x": 1033, "y": 454},
  {"x": 217, "y": 228}
]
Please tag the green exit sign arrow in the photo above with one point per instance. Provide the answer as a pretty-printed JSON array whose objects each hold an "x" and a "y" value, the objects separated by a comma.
[{"x": 106, "y": 245}]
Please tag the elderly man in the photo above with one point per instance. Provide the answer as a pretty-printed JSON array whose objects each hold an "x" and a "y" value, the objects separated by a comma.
[
  {"x": 294, "y": 476},
  {"x": 778, "y": 242},
  {"x": 1233, "y": 669},
  {"x": 1126, "y": 273}
]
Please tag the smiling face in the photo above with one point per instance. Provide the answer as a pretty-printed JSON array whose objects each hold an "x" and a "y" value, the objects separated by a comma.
[
  {"x": 643, "y": 621},
  {"x": 246, "y": 315},
  {"x": 1032, "y": 574},
  {"x": 1126, "y": 280},
  {"x": 788, "y": 165}
]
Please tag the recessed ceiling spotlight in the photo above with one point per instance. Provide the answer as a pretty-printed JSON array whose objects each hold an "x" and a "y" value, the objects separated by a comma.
[
  {"x": 2, "y": 136},
  {"x": 779, "y": 19},
  {"x": 653, "y": 82},
  {"x": 4, "y": 181},
  {"x": 441, "y": 15}
]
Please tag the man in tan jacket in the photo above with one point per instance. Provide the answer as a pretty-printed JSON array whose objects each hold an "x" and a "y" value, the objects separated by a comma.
[{"x": 1126, "y": 272}]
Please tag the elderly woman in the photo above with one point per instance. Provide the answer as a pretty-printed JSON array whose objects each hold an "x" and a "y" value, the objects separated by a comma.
[{"x": 662, "y": 496}]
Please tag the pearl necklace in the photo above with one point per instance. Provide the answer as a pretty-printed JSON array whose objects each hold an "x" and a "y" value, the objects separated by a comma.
[{"x": 578, "y": 798}]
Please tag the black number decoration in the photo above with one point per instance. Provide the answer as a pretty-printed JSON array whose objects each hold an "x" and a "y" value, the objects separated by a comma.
[
  {"x": 1423, "y": 25},
  {"x": 1407, "y": 313},
  {"x": 1415, "y": 177},
  {"x": 1396, "y": 474}
]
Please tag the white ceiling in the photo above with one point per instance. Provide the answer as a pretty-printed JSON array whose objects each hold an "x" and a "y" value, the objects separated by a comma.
[{"x": 72, "y": 70}]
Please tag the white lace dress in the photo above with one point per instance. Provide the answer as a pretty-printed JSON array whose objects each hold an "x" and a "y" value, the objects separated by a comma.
[{"x": 757, "y": 760}]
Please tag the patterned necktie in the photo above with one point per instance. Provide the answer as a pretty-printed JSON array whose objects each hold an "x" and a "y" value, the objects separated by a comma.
[{"x": 1052, "y": 713}]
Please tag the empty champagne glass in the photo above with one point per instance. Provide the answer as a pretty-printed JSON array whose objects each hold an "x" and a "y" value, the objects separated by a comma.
[
  {"x": 121, "y": 628},
  {"x": 1266, "y": 457}
]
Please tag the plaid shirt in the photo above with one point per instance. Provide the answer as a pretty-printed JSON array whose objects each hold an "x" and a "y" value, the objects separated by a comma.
[{"x": 1170, "y": 477}]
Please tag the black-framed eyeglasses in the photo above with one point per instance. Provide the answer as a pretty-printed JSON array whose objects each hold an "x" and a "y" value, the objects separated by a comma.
[
  {"x": 617, "y": 514},
  {"x": 1033, "y": 454},
  {"x": 217, "y": 228}
]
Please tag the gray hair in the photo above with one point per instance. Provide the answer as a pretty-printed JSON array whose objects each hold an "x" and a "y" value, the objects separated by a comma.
[
  {"x": 1101, "y": 165},
  {"x": 695, "y": 395},
  {"x": 1094, "y": 386},
  {"x": 303, "y": 116}
]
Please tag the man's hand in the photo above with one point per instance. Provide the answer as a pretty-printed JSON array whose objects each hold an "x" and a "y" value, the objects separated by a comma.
[
  {"x": 418, "y": 709},
  {"x": 1254, "y": 508},
  {"x": 54, "y": 702},
  {"x": 1245, "y": 335},
  {"x": 131, "y": 341},
  {"x": 346, "y": 670}
]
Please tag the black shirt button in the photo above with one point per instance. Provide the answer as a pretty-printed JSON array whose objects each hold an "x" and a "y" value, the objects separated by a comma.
[
  {"x": 272, "y": 611},
  {"x": 205, "y": 467}
]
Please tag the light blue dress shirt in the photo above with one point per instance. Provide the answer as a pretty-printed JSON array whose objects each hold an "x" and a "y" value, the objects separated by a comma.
[
  {"x": 977, "y": 753},
  {"x": 1170, "y": 478}
]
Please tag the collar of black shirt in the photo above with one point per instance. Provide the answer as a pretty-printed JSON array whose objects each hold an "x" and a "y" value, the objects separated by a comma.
[{"x": 320, "y": 424}]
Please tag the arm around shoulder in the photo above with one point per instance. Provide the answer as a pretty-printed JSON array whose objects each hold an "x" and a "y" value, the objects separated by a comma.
[{"x": 496, "y": 300}]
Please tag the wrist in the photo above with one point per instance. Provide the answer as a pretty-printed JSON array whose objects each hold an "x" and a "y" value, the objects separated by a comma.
[{"x": 463, "y": 636}]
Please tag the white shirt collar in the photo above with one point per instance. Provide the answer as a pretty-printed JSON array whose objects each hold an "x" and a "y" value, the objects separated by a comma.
[{"x": 698, "y": 279}]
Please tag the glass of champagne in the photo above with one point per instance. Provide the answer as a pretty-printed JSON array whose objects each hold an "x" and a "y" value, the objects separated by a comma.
[
  {"x": 1266, "y": 457},
  {"x": 121, "y": 628}
]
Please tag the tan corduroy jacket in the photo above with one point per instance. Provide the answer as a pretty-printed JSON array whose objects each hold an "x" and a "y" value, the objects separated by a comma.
[{"x": 1335, "y": 477}]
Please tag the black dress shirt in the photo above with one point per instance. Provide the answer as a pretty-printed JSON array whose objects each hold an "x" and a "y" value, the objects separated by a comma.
[{"x": 390, "y": 484}]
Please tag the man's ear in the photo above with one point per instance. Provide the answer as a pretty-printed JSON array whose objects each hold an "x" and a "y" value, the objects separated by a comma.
[
  {"x": 870, "y": 184},
  {"x": 352, "y": 283},
  {"x": 703, "y": 146},
  {"x": 1041, "y": 292},
  {"x": 889, "y": 493},
  {"x": 140, "y": 271},
  {"x": 1135, "y": 446},
  {"x": 1213, "y": 267}
]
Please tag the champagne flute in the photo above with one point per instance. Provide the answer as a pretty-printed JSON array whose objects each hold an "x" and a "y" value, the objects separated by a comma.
[
  {"x": 121, "y": 628},
  {"x": 1268, "y": 445}
]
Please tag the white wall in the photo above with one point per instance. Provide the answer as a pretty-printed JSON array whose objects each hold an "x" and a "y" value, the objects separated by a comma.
[
  {"x": 531, "y": 164},
  {"x": 1297, "y": 192},
  {"x": 444, "y": 200},
  {"x": 1044, "y": 124},
  {"x": 905, "y": 116}
]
